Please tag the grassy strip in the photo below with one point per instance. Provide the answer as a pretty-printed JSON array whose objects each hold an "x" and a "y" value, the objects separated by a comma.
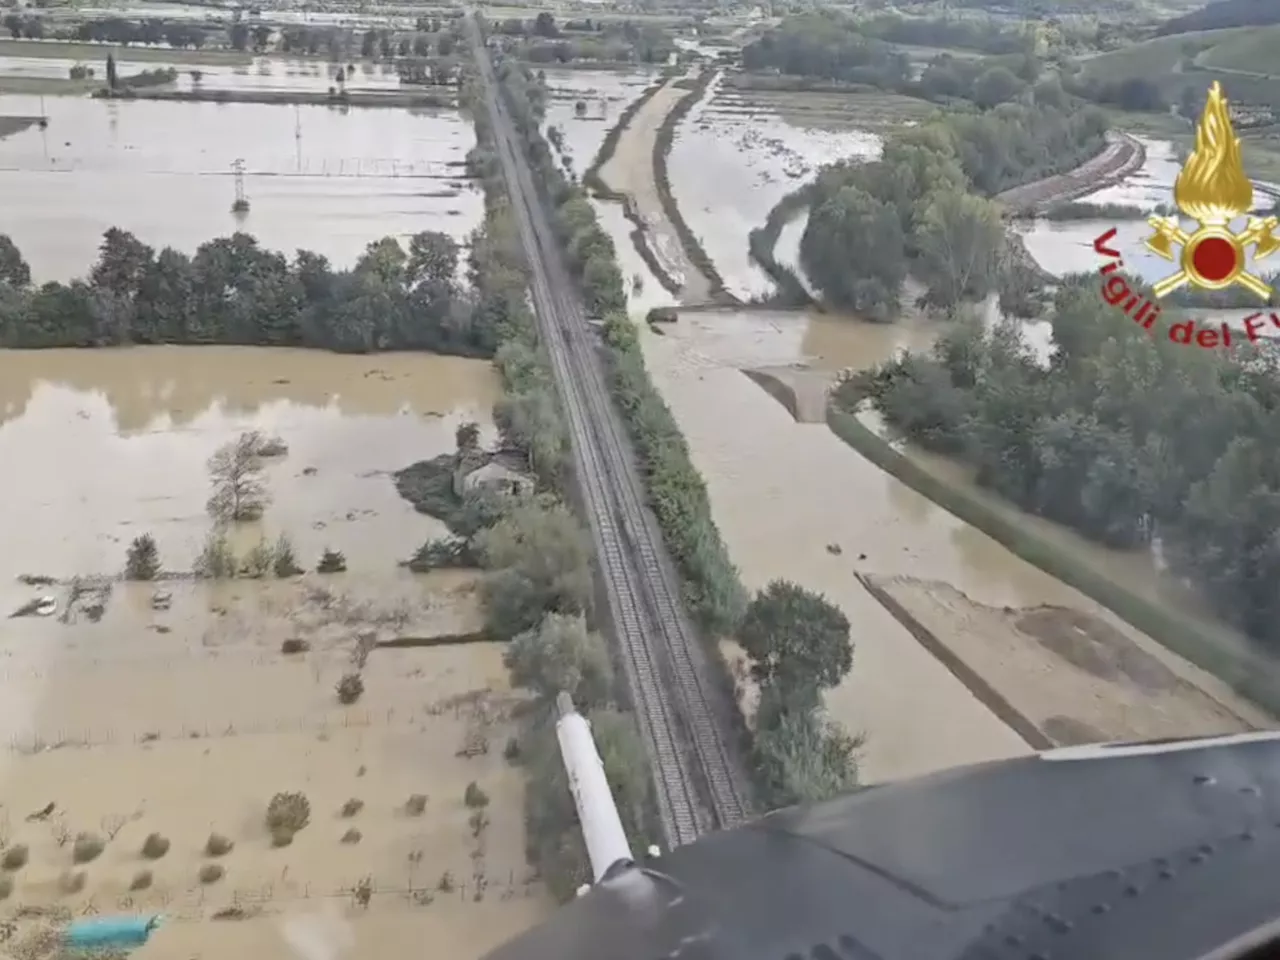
[
  {"x": 661, "y": 148},
  {"x": 1242, "y": 671},
  {"x": 591, "y": 176},
  {"x": 75, "y": 50}
]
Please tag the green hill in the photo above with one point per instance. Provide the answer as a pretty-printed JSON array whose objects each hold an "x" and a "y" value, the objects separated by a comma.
[{"x": 1224, "y": 14}]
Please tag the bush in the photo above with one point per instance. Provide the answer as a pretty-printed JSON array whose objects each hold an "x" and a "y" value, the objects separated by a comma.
[
  {"x": 288, "y": 811},
  {"x": 155, "y": 846},
  {"x": 6, "y": 887},
  {"x": 87, "y": 847},
  {"x": 285, "y": 563},
  {"x": 281, "y": 837},
  {"x": 142, "y": 562},
  {"x": 474, "y": 797},
  {"x": 217, "y": 561},
  {"x": 331, "y": 561},
  {"x": 211, "y": 873},
  {"x": 258, "y": 561},
  {"x": 141, "y": 880},
  {"x": 352, "y": 807},
  {"x": 352, "y": 836},
  {"x": 294, "y": 645},
  {"x": 15, "y": 857},
  {"x": 217, "y": 845},
  {"x": 416, "y": 804},
  {"x": 350, "y": 688}
]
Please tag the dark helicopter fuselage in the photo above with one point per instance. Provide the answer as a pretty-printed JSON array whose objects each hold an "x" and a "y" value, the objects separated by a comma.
[{"x": 1134, "y": 852}]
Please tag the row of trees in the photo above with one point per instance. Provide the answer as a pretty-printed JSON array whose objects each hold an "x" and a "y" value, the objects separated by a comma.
[
  {"x": 1122, "y": 436},
  {"x": 232, "y": 291},
  {"x": 797, "y": 754}
]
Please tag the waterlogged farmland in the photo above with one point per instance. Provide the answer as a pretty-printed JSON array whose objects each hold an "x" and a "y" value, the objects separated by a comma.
[
  {"x": 735, "y": 157},
  {"x": 317, "y": 178}
]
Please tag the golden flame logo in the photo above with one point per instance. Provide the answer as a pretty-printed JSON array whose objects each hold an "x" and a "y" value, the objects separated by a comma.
[
  {"x": 1212, "y": 187},
  {"x": 1213, "y": 190}
]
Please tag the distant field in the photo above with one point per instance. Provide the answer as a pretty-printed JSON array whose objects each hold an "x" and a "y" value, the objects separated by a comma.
[
  {"x": 1159, "y": 57},
  {"x": 867, "y": 111},
  {"x": 52, "y": 86},
  {"x": 59, "y": 50},
  {"x": 1256, "y": 50}
]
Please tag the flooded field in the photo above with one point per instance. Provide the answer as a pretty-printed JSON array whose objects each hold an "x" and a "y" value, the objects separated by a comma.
[
  {"x": 793, "y": 501},
  {"x": 1067, "y": 246},
  {"x": 320, "y": 178},
  {"x": 605, "y": 94},
  {"x": 729, "y": 166},
  {"x": 264, "y": 73},
  {"x": 186, "y": 717}
]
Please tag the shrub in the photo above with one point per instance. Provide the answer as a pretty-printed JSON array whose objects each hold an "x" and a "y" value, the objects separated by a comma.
[
  {"x": 15, "y": 857},
  {"x": 141, "y": 880},
  {"x": 294, "y": 645},
  {"x": 352, "y": 807},
  {"x": 211, "y": 873},
  {"x": 350, "y": 688},
  {"x": 281, "y": 837},
  {"x": 352, "y": 836},
  {"x": 416, "y": 804},
  {"x": 87, "y": 847},
  {"x": 285, "y": 563},
  {"x": 217, "y": 845},
  {"x": 142, "y": 562},
  {"x": 217, "y": 561},
  {"x": 6, "y": 887},
  {"x": 474, "y": 797},
  {"x": 155, "y": 846},
  {"x": 258, "y": 561},
  {"x": 331, "y": 561},
  {"x": 288, "y": 811}
]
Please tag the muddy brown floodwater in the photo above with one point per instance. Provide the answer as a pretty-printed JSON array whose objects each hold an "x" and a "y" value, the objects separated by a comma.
[
  {"x": 122, "y": 717},
  {"x": 317, "y": 178},
  {"x": 793, "y": 501}
]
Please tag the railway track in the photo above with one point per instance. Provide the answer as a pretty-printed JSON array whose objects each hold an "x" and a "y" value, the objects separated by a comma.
[{"x": 699, "y": 783}]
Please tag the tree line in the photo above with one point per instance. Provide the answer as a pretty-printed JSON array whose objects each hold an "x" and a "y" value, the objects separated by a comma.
[
  {"x": 232, "y": 291},
  {"x": 923, "y": 209},
  {"x": 796, "y": 753},
  {"x": 1122, "y": 436}
]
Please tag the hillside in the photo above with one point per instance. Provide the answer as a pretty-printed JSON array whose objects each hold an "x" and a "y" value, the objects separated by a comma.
[{"x": 1224, "y": 14}]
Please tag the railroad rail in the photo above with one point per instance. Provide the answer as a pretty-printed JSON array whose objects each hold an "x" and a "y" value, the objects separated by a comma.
[{"x": 699, "y": 783}]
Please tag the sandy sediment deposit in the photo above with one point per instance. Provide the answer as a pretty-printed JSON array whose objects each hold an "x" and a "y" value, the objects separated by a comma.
[
  {"x": 185, "y": 722},
  {"x": 1077, "y": 677}
]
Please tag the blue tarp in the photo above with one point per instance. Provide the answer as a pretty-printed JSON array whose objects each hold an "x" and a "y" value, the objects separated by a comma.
[{"x": 110, "y": 931}]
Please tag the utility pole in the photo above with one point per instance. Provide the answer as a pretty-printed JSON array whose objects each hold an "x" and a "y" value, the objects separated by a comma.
[
  {"x": 297, "y": 133},
  {"x": 241, "y": 204}
]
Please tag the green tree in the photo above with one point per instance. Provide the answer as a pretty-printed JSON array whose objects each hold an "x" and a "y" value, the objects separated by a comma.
[
  {"x": 795, "y": 639},
  {"x": 142, "y": 562},
  {"x": 235, "y": 471},
  {"x": 961, "y": 242},
  {"x": 561, "y": 654},
  {"x": 538, "y": 558},
  {"x": 853, "y": 248}
]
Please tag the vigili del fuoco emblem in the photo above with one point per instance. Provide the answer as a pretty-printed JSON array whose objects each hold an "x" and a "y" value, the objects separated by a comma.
[{"x": 1212, "y": 189}]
